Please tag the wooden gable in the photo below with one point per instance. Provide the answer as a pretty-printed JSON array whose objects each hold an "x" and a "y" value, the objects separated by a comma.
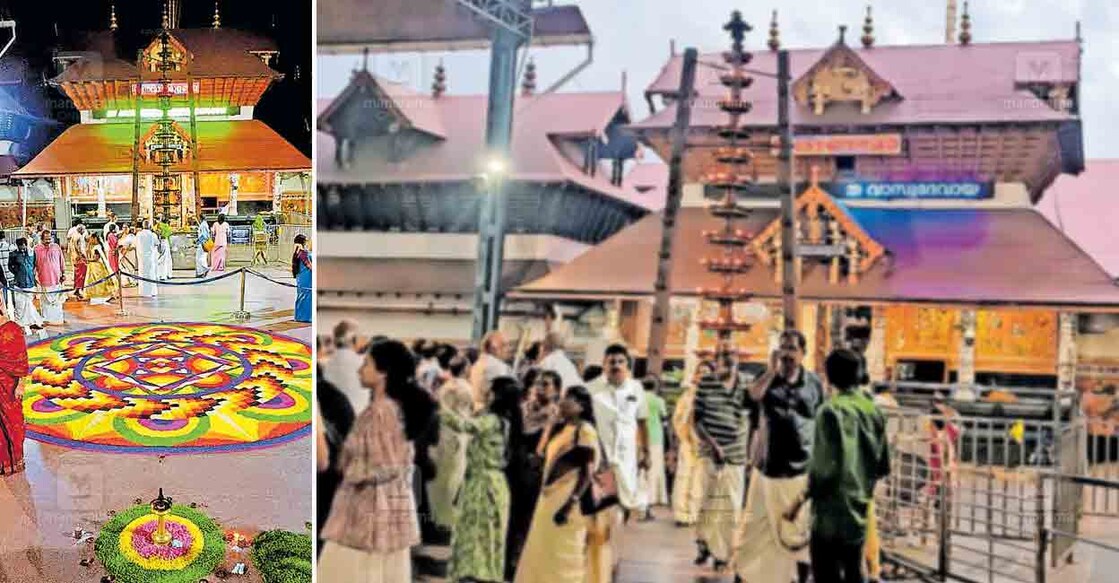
[
  {"x": 826, "y": 233},
  {"x": 841, "y": 76},
  {"x": 179, "y": 57}
]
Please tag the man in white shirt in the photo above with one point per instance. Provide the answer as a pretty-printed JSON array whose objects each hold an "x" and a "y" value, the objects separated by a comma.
[
  {"x": 341, "y": 370},
  {"x": 620, "y": 411},
  {"x": 491, "y": 365},
  {"x": 148, "y": 242},
  {"x": 555, "y": 359}
]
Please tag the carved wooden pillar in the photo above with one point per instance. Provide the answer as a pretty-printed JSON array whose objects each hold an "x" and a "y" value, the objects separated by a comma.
[
  {"x": 1066, "y": 352},
  {"x": 966, "y": 373},
  {"x": 809, "y": 326},
  {"x": 876, "y": 349}
]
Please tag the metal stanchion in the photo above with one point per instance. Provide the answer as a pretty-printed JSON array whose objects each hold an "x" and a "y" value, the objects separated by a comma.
[
  {"x": 241, "y": 314},
  {"x": 120, "y": 287}
]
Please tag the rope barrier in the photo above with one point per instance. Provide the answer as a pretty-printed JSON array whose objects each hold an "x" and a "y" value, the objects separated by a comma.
[
  {"x": 191, "y": 282},
  {"x": 276, "y": 281},
  {"x": 60, "y": 291}
]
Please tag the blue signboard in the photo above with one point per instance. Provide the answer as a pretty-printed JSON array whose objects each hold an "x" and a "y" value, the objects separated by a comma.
[{"x": 924, "y": 189}]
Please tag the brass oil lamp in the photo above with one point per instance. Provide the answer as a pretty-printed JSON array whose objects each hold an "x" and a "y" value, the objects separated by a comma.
[{"x": 161, "y": 507}]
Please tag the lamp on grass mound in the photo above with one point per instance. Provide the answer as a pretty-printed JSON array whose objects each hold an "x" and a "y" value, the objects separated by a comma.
[
  {"x": 160, "y": 543},
  {"x": 283, "y": 557}
]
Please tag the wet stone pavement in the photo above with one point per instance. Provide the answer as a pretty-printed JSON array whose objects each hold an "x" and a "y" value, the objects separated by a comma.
[{"x": 64, "y": 490}]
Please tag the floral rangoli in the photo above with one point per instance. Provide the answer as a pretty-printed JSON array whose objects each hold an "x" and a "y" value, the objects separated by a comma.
[{"x": 168, "y": 388}]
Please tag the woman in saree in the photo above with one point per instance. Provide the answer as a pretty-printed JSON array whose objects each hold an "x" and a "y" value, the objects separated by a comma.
[
  {"x": 373, "y": 521},
  {"x": 221, "y": 242},
  {"x": 301, "y": 270},
  {"x": 562, "y": 543},
  {"x": 13, "y": 367},
  {"x": 102, "y": 288},
  {"x": 526, "y": 465},
  {"x": 457, "y": 396},
  {"x": 482, "y": 516},
  {"x": 129, "y": 256},
  {"x": 112, "y": 241}
]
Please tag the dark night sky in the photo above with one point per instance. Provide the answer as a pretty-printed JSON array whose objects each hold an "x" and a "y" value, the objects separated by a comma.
[{"x": 286, "y": 106}]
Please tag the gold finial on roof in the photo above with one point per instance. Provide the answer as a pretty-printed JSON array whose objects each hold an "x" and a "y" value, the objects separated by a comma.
[
  {"x": 774, "y": 34},
  {"x": 965, "y": 26},
  {"x": 868, "y": 29},
  {"x": 166, "y": 16},
  {"x": 439, "y": 84},
  {"x": 217, "y": 15},
  {"x": 528, "y": 84},
  {"x": 113, "y": 16}
]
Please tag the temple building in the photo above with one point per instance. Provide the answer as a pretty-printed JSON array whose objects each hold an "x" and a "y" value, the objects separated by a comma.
[
  {"x": 918, "y": 169},
  {"x": 169, "y": 130},
  {"x": 400, "y": 175}
]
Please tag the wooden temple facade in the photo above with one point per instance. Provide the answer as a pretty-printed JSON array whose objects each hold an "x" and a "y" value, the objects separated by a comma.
[
  {"x": 918, "y": 171},
  {"x": 400, "y": 176},
  {"x": 208, "y": 80}
]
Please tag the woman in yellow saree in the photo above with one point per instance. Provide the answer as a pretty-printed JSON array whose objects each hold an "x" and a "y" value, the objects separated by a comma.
[{"x": 564, "y": 543}]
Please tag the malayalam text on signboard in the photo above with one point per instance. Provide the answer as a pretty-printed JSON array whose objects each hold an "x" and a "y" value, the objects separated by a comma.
[
  {"x": 968, "y": 190},
  {"x": 853, "y": 145}
]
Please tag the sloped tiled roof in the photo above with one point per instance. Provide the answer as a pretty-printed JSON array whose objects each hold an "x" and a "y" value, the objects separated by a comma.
[
  {"x": 973, "y": 256},
  {"x": 1086, "y": 209},
  {"x": 223, "y": 52},
  {"x": 223, "y": 146},
  {"x": 538, "y": 121},
  {"x": 938, "y": 84}
]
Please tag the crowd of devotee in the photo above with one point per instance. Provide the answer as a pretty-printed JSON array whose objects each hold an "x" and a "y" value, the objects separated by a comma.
[
  {"x": 39, "y": 276},
  {"x": 532, "y": 468}
]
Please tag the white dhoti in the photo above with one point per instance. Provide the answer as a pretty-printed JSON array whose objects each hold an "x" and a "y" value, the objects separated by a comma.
[
  {"x": 721, "y": 507},
  {"x": 346, "y": 565},
  {"x": 760, "y": 556},
  {"x": 148, "y": 271},
  {"x": 654, "y": 480},
  {"x": 201, "y": 262},
  {"x": 52, "y": 304},
  {"x": 164, "y": 261},
  {"x": 687, "y": 487},
  {"x": 23, "y": 310}
]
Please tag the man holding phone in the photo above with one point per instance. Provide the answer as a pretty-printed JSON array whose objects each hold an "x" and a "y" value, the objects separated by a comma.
[{"x": 788, "y": 397}]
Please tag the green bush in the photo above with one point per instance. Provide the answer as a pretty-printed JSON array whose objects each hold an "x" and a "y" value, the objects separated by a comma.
[
  {"x": 107, "y": 548},
  {"x": 283, "y": 557}
]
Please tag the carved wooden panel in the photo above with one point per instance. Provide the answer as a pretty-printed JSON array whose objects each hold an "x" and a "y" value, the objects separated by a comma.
[
  {"x": 1016, "y": 341},
  {"x": 922, "y": 333}
]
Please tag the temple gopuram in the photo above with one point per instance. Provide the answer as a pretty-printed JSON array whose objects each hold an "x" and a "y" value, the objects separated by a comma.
[
  {"x": 919, "y": 171},
  {"x": 168, "y": 130},
  {"x": 400, "y": 174}
]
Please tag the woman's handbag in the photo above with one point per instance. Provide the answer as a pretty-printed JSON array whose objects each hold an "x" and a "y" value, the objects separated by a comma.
[
  {"x": 603, "y": 491},
  {"x": 208, "y": 245}
]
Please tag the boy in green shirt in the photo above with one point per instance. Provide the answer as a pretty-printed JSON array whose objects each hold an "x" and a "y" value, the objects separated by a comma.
[{"x": 849, "y": 455}]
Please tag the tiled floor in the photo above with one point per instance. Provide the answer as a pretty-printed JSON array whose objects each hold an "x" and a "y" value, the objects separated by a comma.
[{"x": 63, "y": 490}]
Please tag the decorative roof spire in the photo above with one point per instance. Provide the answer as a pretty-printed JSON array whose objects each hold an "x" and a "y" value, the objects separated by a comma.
[
  {"x": 528, "y": 84},
  {"x": 217, "y": 15},
  {"x": 113, "y": 16},
  {"x": 365, "y": 59},
  {"x": 842, "y": 34},
  {"x": 965, "y": 27},
  {"x": 166, "y": 16},
  {"x": 774, "y": 34},
  {"x": 868, "y": 29},
  {"x": 439, "y": 85},
  {"x": 737, "y": 29}
]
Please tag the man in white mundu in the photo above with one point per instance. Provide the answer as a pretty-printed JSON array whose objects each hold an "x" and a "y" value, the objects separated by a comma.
[
  {"x": 148, "y": 242},
  {"x": 620, "y": 412}
]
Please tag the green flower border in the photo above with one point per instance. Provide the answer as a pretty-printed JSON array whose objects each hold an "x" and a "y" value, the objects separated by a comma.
[
  {"x": 108, "y": 552},
  {"x": 283, "y": 557}
]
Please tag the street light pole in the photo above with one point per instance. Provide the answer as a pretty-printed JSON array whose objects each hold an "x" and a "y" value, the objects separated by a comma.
[
  {"x": 491, "y": 224},
  {"x": 788, "y": 195}
]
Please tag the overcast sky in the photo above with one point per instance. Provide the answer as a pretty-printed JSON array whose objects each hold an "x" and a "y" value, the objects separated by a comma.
[{"x": 634, "y": 36}]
